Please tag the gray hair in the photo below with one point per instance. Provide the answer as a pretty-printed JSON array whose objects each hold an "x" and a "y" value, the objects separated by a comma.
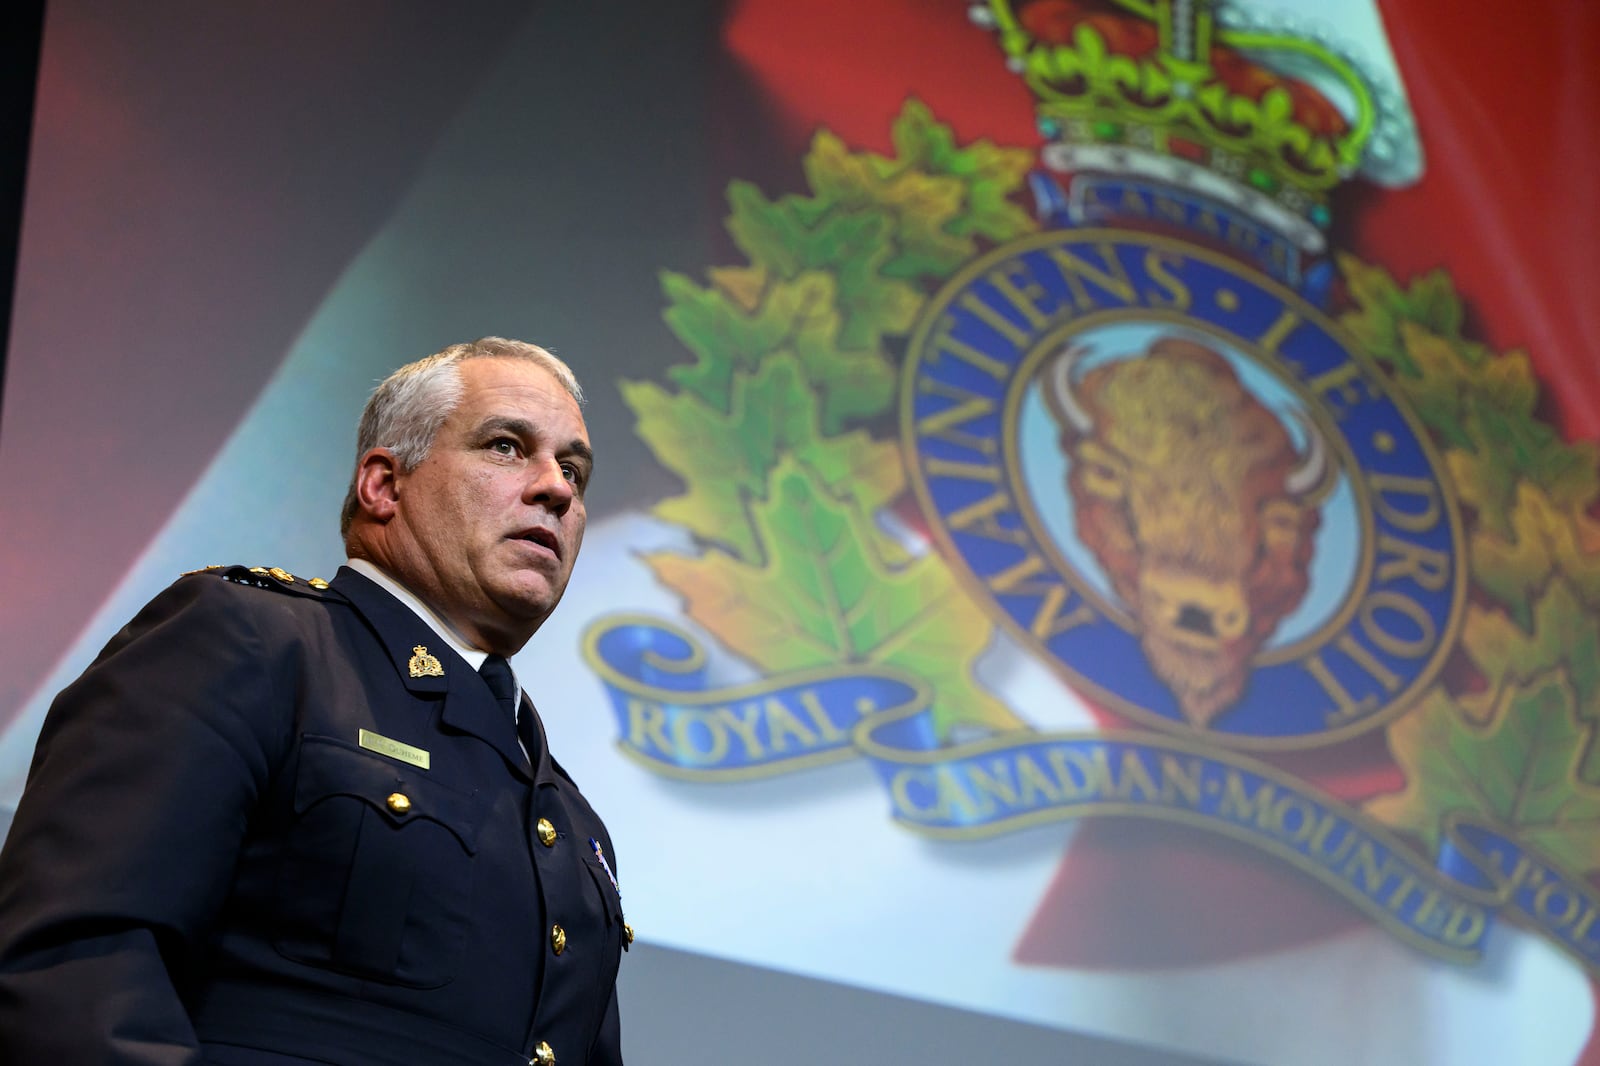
[{"x": 406, "y": 410}]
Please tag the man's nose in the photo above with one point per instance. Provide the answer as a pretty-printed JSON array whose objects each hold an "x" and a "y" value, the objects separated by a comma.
[{"x": 549, "y": 485}]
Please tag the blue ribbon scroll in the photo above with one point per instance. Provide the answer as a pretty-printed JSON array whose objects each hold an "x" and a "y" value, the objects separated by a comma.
[{"x": 671, "y": 718}]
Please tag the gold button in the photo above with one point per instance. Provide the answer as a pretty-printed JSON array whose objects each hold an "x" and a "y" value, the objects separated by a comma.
[
  {"x": 558, "y": 939},
  {"x": 546, "y": 831},
  {"x": 317, "y": 583},
  {"x": 542, "y": 1056},
  {"x": 398, "y": 802},
  {"x": 282, "y": 575},
  {"x": 627, "y": 932}
]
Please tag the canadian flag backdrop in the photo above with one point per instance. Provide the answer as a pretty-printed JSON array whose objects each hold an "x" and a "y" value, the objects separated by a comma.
[{"x": 238, "y": 219}]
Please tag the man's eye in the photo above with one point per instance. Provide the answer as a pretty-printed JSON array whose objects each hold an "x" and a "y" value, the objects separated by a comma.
[
  {"x": 503, "y": 446},
  {"x": 572, "y": 473}
]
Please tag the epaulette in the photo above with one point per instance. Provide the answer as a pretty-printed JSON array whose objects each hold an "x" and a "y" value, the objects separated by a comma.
[{"x": 264, "y": 577}]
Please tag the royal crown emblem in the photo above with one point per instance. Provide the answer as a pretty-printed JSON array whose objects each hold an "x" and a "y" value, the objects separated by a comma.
[{"x": 1179, "y": 115}]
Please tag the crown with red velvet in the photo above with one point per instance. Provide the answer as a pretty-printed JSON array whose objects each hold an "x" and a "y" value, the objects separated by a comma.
[{"x": 1269, "y": 123}]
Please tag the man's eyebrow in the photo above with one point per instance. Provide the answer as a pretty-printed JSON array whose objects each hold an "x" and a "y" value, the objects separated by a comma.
[
  {"x": 521, "y": 427},
  {"x": 517, "y": 427}
]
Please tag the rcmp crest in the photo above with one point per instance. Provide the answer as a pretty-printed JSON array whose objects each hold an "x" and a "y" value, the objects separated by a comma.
[
  {"x": 1178, "y": 482},
  {"x": 1120, "y": 406}
]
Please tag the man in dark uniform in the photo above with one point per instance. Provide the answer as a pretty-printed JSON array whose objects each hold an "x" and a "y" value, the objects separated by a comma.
[{"x": 284, "y": 821}]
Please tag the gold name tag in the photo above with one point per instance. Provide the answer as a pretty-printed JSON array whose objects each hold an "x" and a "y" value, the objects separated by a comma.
[{"x": 392, "y": 748}]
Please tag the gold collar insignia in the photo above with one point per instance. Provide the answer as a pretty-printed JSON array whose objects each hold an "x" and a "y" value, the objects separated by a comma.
[{"x": 424, "y": 665}]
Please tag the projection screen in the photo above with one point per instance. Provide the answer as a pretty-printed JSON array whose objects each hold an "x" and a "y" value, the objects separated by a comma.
[{"x": 1092, "y": 546}]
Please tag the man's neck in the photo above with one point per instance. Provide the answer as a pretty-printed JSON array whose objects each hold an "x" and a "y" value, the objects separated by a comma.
[{"x": 437, "y": 622}]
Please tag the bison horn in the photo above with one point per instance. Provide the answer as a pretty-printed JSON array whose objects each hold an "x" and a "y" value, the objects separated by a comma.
[
  {"x": 1060, "y": 390},
  {"x": 1314, "y": 474}
]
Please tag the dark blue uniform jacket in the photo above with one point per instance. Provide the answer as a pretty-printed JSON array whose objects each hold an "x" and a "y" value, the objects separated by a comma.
[{"x": 208, "y": 867}]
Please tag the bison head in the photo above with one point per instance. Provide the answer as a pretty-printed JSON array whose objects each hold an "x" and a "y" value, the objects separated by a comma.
[{"x": 1193, "y": 498}]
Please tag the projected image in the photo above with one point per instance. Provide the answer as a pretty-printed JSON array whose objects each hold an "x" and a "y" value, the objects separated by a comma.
[{"x": 1082, "y": 535}]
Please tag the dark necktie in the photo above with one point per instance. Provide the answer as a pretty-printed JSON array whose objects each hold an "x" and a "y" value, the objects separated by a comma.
[{"x": 496, "y": 673}]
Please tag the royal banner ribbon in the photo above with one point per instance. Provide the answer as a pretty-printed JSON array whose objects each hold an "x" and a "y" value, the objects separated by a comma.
[{"x": 672, "y": 719}]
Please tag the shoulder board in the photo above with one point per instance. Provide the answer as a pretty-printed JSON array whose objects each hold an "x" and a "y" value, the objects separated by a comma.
[{"x": 265, "y": 577}]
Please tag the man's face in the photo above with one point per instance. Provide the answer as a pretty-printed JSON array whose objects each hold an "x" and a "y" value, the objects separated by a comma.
[{"x": 487, "y": 527}]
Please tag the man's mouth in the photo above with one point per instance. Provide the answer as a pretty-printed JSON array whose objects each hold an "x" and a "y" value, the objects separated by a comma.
[{"x": 543, "y": 537}]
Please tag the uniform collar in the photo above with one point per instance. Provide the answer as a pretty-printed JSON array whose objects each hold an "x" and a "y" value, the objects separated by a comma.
[
  {"x": 404, "y": 624},
  {"x": 445, "y": 631}
]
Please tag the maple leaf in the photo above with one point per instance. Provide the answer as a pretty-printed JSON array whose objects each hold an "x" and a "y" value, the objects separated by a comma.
[
  {"x": 1525, "y": 451},
  {"x": 857, "y": 469},
  {"x": 1563, "y": 634},
  {"x": 724, "y": 458},
  {"x": 831, "y": 275},
  {"x": 823, "y": 595},
  {"x": 921, "y": 207},
  {"x": 724, "y": 334},
  {"x": 1382, "y": 306},
  {"x": 1472, "y": 400},
  {"x": 750, "y": 317},
  {"x": 1493, "y": 417},
  {"x": 989, "y": 174},
  {"x": 1518, "y": 772},
  {"x": 746, "y": 284},
  {"x": 791, "y": 236},
  {"x": 939, "y": 197},
  {"x": 1540, "y": 540},
  {"x": 1434, "y": 384}
]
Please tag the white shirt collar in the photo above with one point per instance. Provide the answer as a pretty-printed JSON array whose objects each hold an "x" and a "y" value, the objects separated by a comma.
[{"x": 447, "y": 632}]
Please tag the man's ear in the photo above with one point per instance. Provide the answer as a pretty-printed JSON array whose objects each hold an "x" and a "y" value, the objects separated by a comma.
[{"x": 377, "y": 487}]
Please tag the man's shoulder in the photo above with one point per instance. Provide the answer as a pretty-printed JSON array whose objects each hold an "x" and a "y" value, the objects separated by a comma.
[
  {"x": 265, "y": 577},
  {"x": 264, "y": 607},
  {"x": 241, "y": 587},
  {"x": 226, "y": 614}
]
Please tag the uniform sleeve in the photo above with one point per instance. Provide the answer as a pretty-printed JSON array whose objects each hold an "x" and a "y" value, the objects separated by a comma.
[{"x": 124, "y": 843}]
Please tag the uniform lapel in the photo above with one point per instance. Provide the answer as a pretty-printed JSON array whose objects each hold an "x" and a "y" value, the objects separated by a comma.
[{"x": 468, "y": 705}]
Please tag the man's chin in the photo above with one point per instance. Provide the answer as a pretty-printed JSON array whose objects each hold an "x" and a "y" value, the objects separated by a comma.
[{"x": 528, "y": 603}]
